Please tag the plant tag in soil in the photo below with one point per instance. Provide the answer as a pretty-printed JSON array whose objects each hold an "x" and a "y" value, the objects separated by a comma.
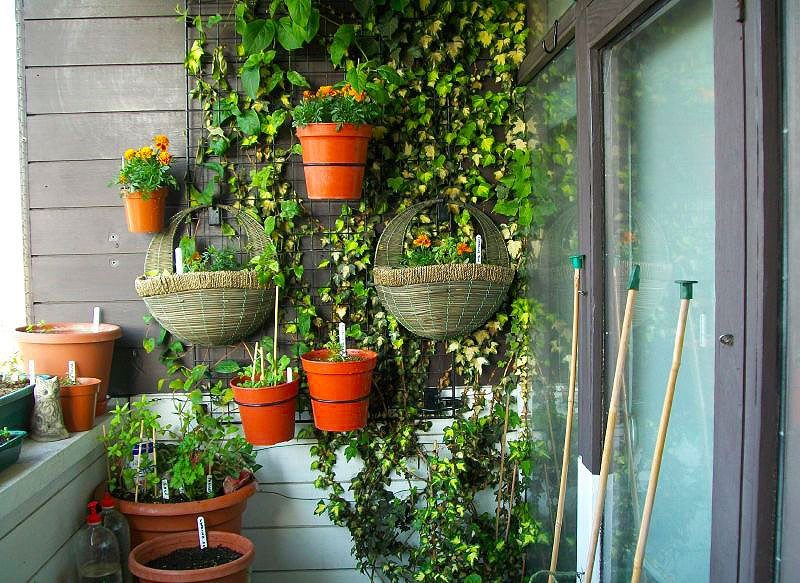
[
  {"x": 165, "y": 489},
  {"x": 71, "y": 371},
  {"x": 343, "y": 339},
  {"x": 31, "y": 371},
  {"x": 478, "y": 249},
  {"x": 178, "y": 260},
  {"x": 209, "y": 484},
  {"x": 96, "y": 318},
  {"x": 289, "y": 376},
  {"x": 201, "y": 532}
]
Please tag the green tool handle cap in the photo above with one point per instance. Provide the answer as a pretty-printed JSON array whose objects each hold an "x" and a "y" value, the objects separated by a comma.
[
  {"x": 577, "y": 261},
  {"x": 686, "y": 288},
  {"x": 633, "y": 282}
]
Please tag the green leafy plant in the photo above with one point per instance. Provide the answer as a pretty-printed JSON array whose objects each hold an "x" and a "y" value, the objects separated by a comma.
[
  {"x": 212, "y": 259},
  {"x": 146, "y": 169},
  {"x": 264, "y": 371},
  {"x": 5, "y": 435},
  {"x": 40, "y": 327},
  {"x": 338, "y": 104}
]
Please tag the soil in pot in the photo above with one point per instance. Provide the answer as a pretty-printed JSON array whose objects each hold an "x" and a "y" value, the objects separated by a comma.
[
  {"x": 53, "y": 345},
  {"x": 267, "y": 412},
  {"x": 339, "y": 390},
  {"x": 78, "y": 403},
  {"x": 16, "y": 404},
  {"x": 195, "y": 558},
  {"x": 145, "y": 213}
]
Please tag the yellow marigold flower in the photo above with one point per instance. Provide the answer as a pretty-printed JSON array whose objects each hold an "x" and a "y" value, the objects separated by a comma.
[
  {"x": 161, "y": 141},
  {"x": 325, "y": 91},
  {"x": 422, "y": 241},
  {"x": 146, "y": 153},
  {"x": 462, "y": 248},
  {"x": 164, "y": 157},
  {"x": 129, "y": 154}
]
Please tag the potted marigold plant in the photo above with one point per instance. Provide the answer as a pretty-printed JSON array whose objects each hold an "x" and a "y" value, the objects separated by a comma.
[
  {"x": 334, "y": 128},
  {"x": 144, "y": 180}
]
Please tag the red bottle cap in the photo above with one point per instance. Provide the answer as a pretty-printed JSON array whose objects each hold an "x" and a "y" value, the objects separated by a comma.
[
  {"x": 94, "y": 517},
  {"x": 107, "y": 501}
]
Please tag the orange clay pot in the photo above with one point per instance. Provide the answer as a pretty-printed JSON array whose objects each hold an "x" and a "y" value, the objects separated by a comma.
[
  {"x": 78, "y": 403},
  {"x": 145, "y": 215},
  {"x": 233, "y": 572},
  {"x": 339, "y": 390},
  {"x": 148, "y": 521},
  {"x": 64, "y": 341},
  {"x": 267, "y": 412},
  {"x": 334, "y": 159}
]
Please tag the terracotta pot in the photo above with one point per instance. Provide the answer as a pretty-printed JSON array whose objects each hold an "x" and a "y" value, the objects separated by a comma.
[
  {"x": 78, "y": 404},
  {"x": 233, "y": 572},
  {"x": 91, "y": 350},
  {"x": 147, "y": 521},
  {"x": 145, "y": 213},
  {"x": 334, "y": 159},
  {"x": 267, "y": 412},
  {"x": 339, "y": 390}
]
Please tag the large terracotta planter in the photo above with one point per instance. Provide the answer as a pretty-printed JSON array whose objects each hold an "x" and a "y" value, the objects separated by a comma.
[
  {"x": 145, "y": 212},
  {"x": 148, "y": 521},
  {"x": 78, "y": 404},
  {"x": 233, "y": 572},
  {"x": 267, "y": 412},
  {"x": 91, "y": 350},
  {"x": 339, "y": 390},
  {"x": 334, "y": 159}
]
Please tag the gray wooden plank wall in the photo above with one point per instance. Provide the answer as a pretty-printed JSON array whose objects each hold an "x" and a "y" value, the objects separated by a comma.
[{"x": 101, "y": 76}]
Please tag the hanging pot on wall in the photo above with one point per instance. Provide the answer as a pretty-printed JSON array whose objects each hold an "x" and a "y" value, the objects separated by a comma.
[
  {"x": 339, "y": 390},
  {"x": 51, "y": 346},
  {"x": 144, "y": 211},
  {"x": 267, "y": 412},
  {"x": 334, "y": 158}
]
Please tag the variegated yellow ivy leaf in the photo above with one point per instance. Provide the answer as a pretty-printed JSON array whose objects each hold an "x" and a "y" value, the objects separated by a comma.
[
  {"x": 481, "y": 336},
  {"x": 485, "y": 38},
  {"x": 515, "y": 249},
  {"x": 430, "y": 151}
]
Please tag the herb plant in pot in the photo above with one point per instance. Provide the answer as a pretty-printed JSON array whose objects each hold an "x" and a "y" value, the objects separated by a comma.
[
  {"x": 339, "y": 382},
  {"x": 267, "y": 398},
  {"x": 334, "y": 128},
  {"x": 10, "y": 446},
  {"x": 199, "y": 467},
  {"x": 144, "y": 180},
  {"x": 16, "y": 395},
  {"x": 177, "y": 558}
]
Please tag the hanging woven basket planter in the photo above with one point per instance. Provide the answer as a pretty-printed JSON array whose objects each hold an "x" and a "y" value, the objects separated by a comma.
[
  {"x": 213, "y": 308},
  {"x": 441, "y": 301}
]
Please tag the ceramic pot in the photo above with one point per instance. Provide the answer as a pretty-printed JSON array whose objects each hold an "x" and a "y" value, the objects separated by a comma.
[
  {"x": 145, "y": 212},
  {"x": 78, "y": 404},
  {"x": 334, "y": 159},
  {"x": 267, "y": 412}
]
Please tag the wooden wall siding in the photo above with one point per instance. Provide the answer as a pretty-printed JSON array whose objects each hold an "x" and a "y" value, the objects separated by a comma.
[{"x": 100, "y": 76}]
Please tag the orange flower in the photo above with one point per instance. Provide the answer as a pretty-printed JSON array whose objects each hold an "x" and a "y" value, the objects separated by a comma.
[
  {"x": 146, "y": 153},
  {"x": 462, "y": 248},
  {"x": 306, "y": 94},
  {"x": 326, "y": 91},
  {"x": 162, "y": 142},
  {"x": 129, "y": 154},
  {"x": 164, "y": 157},
  {"x": 422, "y": 241}
]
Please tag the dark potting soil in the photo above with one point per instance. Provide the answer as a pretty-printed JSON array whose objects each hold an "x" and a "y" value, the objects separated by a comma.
[
  {"x": 8, "y": 387},
  {"x": 194, "y": 558}
]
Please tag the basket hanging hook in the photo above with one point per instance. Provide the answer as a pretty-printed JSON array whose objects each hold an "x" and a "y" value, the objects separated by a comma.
[{"x": 551, "y": 50}]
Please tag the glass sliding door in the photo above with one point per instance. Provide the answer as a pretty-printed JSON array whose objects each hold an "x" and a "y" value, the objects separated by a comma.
[
  {"x": 550, "y": 107},
  {"x": 658, "y": 108}
]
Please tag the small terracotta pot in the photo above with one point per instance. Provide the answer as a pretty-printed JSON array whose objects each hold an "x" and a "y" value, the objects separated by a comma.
[
  {"x": 233, "y": 572},
  {"x": 334, "y": 159},
  {"x": 145, "y": 213},
  {"x": 339, "y": 390},
  {"x": 91, "y": 350},
  {"x": 148, "y": 521},
  {"x": 267, "y": 412},
  {"x": 78, "y": 404}
]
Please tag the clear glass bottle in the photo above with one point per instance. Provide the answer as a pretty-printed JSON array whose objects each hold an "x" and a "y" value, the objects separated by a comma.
[
  {"x": 97, "y": 551},
  {"x": 116, "y": 522}
]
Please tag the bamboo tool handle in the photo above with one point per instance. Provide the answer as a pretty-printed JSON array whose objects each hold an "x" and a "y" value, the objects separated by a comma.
[
  {"x": 611, "y": 423},
  {"x": 275, "y": 339},
  {"x": 138, "y": 462},
  {"x": 155, "y": 465},
  {"x": 663, "y": 426},
  {"x": 577, "y": 265}
]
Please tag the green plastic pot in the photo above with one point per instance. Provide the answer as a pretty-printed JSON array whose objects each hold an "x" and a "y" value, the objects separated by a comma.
[
  {"x": 16, "y": 409},
  {"x": 9, "y": 451}
]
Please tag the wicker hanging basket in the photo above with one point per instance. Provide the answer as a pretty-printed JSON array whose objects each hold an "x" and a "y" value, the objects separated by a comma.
[
  {"x": 206, "y": 308},
  {"x": 441, "y": 301}
]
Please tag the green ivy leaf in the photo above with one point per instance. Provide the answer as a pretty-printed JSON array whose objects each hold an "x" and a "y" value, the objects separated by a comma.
[
  {"x": 297, "y": 79},
  {"x": 341, "y": 42},
  {"x": 313, "y": 25},
  {"x": 290, "y": 35},
  {"x": 258, "y": 35},
  {"x": 299, "y": 11},
  {"x": 357, "y": 77},
  {"x": 473, "y": 578},
  {"x": 226, "y": 366},
  {"x": 227, "y": 230},
  {"x": 149, "y": 344},
  {"x": 192, "y": 61},
  {"x": 274, "y": 79},
  {"x": 364, "y": 7},
  {"x": 391, "y": 76},
  {"x": 269, "y": 225},
  {"x": 251, "y": 79},
  {"x": 506, "y": 207},
  {"x": 249, "y": 123}
]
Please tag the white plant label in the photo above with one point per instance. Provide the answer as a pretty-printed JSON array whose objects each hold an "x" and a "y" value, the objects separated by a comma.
[
  {"x": 201, "y": 532},
  {"x": 96, "y": 318},
  {"x": 478, "y": 249},
  {"x": 289, "y": 375},
  {"x": 343, "y": 339},
  {"x": 31, "y": 371},
  {"x": 71, "y": 371},
  {"x": 209, "y": 484},
  {"x": 178, "y": 260},
  {"x": 165, "y": 489}
]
